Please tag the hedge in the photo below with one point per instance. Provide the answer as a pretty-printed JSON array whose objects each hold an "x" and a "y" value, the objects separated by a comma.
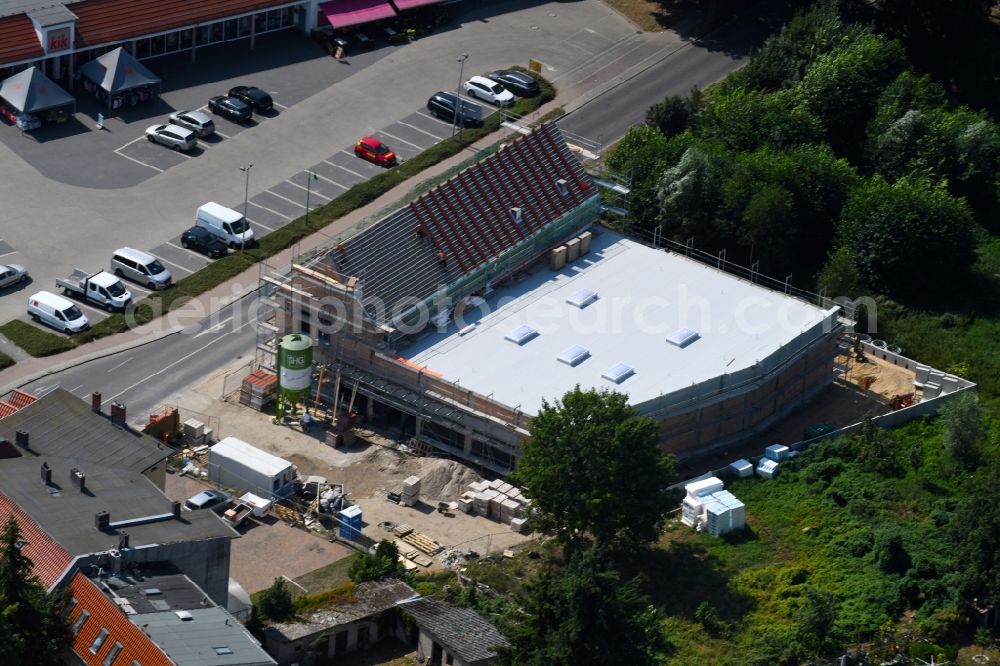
[
  {"x": 363, "y": 193},
  {"x": 5, "y": 361},
  {"x": 34, "y": 340}
]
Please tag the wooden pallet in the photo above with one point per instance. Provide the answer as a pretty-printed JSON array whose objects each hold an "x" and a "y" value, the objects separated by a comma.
[
  {"x": 402, "y": 530},
  {"x": 423, "y": 543},
  {"x": 286, "y": 513}
]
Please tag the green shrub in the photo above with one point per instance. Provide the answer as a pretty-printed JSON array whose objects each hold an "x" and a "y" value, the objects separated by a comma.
[
  {"x": 5, "y": 361},
  {"x": 34, "y": 340},
  {"x": 275, "y": 602}
]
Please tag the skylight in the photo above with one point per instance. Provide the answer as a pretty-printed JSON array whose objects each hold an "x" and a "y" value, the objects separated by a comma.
[
  {"x": 619, "y": 372},
  {"x": 582, "y": 298},
  {"x": 521, "y": 334},
  {"x": 222, "y": 649},
  {"x": 574, "y": 355},
  {"x": 682, "y": 337}
]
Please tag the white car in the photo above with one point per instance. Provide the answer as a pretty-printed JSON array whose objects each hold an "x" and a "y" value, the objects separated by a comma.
[
  {"x": 198, "y": 122},
  {"x": 489, "y": 91},
  {"x": 172, "y": 136},
  {"x": 12, "y": 274}
]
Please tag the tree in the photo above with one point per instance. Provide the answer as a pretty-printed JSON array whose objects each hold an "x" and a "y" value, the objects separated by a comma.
[
  {"x": 916, "y": 459},
  {"x": 974, "y": 529},
  {"x": 384, "y": 563},
  {"x": 670, "y": 116},
  {"x": 592, "y": 466},
  {"x": 745, "y": 121},
  {"x": 815, "y": 617},
  {"x": 964, "y": 427},
  {"x": 33, "y": 629},
  {"x": 275, "y": 602},
  {"x": 877, "y": 448},
  {"x": 584, "y": 613},
  {"x": 690, "y": 192}
]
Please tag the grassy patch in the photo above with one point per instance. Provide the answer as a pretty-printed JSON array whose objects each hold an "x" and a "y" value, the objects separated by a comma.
[
  {"x": 5, "y": 361},
  {"x": 34, "y": 340},
  {"x": 326, "y": 578}
]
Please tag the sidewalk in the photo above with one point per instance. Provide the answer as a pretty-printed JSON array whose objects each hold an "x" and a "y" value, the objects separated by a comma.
[{"x": 193, "y": 311}]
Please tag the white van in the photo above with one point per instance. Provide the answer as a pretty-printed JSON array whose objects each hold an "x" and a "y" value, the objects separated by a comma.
[
  {"x": 226, "y": 224},
  {"x": 57, "y": 312},
  {"x": 141, "y": 267}
]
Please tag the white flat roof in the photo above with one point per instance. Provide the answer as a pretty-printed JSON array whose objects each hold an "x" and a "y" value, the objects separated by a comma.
[
  {"x": 644, "y": 296},
  {"x": 262, "y": 461}
]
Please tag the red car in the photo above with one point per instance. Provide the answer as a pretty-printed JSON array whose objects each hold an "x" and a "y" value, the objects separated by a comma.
[{"x": 375, "y": 151}]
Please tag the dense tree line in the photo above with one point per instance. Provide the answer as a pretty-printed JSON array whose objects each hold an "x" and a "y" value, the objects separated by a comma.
[{"x": 828, "y": 157}]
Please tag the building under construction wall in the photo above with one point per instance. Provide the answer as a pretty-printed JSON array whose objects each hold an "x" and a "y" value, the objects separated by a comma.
[{"x": 456, "y": 316}]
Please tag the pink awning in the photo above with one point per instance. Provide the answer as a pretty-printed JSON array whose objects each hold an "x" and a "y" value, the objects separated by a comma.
[
  {"x": 410, "y": 4},
  {"x": 344, "y": 13}
]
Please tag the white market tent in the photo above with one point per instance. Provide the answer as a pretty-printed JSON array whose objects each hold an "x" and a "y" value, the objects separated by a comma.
[{"x": 117, "y": 71}]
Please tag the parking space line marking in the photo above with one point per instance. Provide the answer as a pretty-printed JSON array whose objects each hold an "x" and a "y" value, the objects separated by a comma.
[
  {"x": 224, "y": 136},
  {"x": 130, "y": 143},
  {"x": 344, "y": 187},
  {"x": 15, "y": 251},
  {"x": 271, "y": 211},
  {"x": 280, "y": 106},
  {"x": 346, "y": 169},
  {"x": 396, "y": 138},
  {"x": 137, "y": 161},
  {"x": 305, "y": 189},
  {"x": 82, "y": 303},
  {"x": 285, "y": 198},
  {"x": 434, "y": 118},
  {"x": 186, "y": 251},
  {"x": 186, "y": 270},
  {"x": 414, "y": 127},
  {"x": 261, "y": 224}
]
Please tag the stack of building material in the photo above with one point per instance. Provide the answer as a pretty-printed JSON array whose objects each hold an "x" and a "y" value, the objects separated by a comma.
[
  {"x": 495, "y": 499},
  {"x": 258, "y": 389},
  {"x": 411, "y": 491},
  {"x": 518, "y": 524},
  {"x": 509, "y": 509},
  {"x": 483, "y": 501},
  {"x": 776, "y": 452},
  {"x": 423, "y": 543},
  {"x": 723, "y": 513},
  {"x": 692, "y": 508},
  {"x": 467, "y": 505},
  {"x": 194, "y": 432},
  {"x": 741, "y": 468},
  {"x": 767, "y": 468}
]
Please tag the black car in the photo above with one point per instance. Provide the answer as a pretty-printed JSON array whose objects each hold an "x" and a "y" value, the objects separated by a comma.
[
  {"x": 231, "y": 108},
  {"x": 201, "y": 240},
  {"x": 519, "y": 83},
  {"x": 442, "y": 105},
  {"x": 255, "y": 97}
]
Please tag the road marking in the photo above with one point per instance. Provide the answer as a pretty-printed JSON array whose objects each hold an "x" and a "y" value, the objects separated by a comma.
[
  {"x": 112, "y": 369},
  {"x": 434, "y": 118},
  {"x": 138, "y": 162},
  {"x": 294, "y": 583},
  {"x": 213, "y": 329},
  {"x": 185, "y": 250},
  {"x": 345, "y": 187},
  {"x": 396, "y": 138},
  {"x": 186, "y": 270},
  {"x": 224, "y": 136},
  {"x": 4, "y": 254},
  {"x": 42, "y": 391},
  {"x": 180, "y": 360},
  {"x": 345, "y": 168},
  {"x": 285, "y": 198},
  {"x": 304, "y": 189},
  {"x": 130, "y": 143},
  {"x": 261, "y": 224},
  {"x": 280, "y": 106},
  {"x": 270, "y": 211},
  {"x": 414, "y": 127},
  {"x": 73, "y": 390}
]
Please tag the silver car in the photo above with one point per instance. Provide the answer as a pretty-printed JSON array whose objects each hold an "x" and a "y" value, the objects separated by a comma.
[
  {"x": 174, "y": 136},
  {"x": 12, "y": 274},
  {"x": 198, "y": 122}
]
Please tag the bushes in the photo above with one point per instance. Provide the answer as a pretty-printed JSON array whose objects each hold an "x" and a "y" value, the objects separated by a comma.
[
  {"x": 34, "y": 340},
  {"x": 5, "y": 361}
]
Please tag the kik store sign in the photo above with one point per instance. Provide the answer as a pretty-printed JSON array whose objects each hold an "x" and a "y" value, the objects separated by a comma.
[{"x": 57, "y": 40}]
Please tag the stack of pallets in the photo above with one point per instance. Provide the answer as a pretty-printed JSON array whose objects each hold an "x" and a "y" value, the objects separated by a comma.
[
  {"x": 423, "y": 543},
  {"x": 258, "y": 389}
]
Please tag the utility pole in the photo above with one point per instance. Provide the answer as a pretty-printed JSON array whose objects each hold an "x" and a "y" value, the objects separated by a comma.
[
  {"x": 458, "y": 91},
  {"x": 246, "y": 199}
]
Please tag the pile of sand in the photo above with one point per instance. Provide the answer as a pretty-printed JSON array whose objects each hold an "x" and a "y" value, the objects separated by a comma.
[{"x": 445, "y": 480}]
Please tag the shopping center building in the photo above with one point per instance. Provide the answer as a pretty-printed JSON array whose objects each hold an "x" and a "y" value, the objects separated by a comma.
[{"x": 60, "y": 35}]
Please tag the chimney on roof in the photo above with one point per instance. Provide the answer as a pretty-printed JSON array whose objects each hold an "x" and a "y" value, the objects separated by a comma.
[
  {"x": 95, "y": 402},
  {"x": 175, "y": 508},
  {"x": 78, "y": 479},
  {"x": 122, "y": 540},
  {"x": 21, "y": 437},
  {"x": 101, "y": 520},
  {"x": 117, "y": 413},
  {"x": 46, "y": 474}
]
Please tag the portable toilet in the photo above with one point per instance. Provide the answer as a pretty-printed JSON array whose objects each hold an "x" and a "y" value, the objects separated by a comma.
[
  {"x": 741, "y": 468},
  {"x": 350, "y": 522}
]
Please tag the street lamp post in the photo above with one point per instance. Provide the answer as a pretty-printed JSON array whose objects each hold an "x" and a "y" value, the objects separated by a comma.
[
  {"x": 458, "y": 91},
  {"x": 246, "y": 199}
]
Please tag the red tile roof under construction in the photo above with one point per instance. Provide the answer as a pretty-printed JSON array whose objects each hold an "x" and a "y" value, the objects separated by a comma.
[
  {"x": 18, "y": 40},
  {"x": 103, "y": 21},
  {"x": 48, "y": 558}
]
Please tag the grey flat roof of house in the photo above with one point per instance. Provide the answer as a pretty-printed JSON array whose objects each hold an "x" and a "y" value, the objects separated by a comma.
[
  {"x": 153, "y": 590},
  {"x": 368, "y": 599},
  {"x": 14, "y": 7},
  {"x": 65, "y": 434},
  {"x": 461, "y": 630},
  {"x": 52, "y": 15},
  {"x": 194, "y": 642}
]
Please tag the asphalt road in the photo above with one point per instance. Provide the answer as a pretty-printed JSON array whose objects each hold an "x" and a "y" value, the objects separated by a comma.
[{"x": 606, "y": 118}]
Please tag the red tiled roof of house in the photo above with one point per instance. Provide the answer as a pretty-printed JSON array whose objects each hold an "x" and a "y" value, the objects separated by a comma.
[
  {"x": 103, "y": 21},
  {"x": 47, "y": 556},
  {"x": 6, "y": 409},
  {"x": 21, "y": 399},
  {"x": 18, "y": 40},
  {"x": 104, "y": 614}
]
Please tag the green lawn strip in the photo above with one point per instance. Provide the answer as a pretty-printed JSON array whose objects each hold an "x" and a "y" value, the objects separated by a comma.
[
  {"x": 226, "y": 268},
  {"x": 329, "y": 577},
  {"x": 5, "y": 361},
  {"x": 34, "y": 340}
]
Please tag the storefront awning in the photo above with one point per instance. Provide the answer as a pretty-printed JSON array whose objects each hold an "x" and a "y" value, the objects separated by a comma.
[
  {"x": 344, "y": 13},
  {"x": 31, "y": 91},
  {"x": 117, "y": 71},
  {"x": 410, "y": 4}
]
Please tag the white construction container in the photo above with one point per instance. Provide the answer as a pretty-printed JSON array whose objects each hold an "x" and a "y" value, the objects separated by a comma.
[
  {"x": 741, "y": 468},
  {"x": 704, "y": 487},
  {"x": 776, "y": 452},
  {"x": 236, "y": 464},
  {"x": 767, "y": 468}
]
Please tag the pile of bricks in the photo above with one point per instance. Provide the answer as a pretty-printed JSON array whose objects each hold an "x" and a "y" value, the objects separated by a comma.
[{"x": 497, "y": 500}]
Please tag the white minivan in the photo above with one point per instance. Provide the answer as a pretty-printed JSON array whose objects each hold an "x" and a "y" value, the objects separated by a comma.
[
  {"x": 57, "y": 312},
  {"x": 140, "y": 267},
  {"x": 226, "y": 224}
]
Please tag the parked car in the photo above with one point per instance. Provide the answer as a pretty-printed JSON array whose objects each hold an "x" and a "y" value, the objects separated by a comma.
[
  {"x": 12, "y": 274},
  {"x": 208, "y": 499},
  {"x": 259, "y": 100},
  {"x": 231, "y": 108},
  {"x": 519, "y": 83},
  {"x": 202, "y": 240},
  {"x": 373, "y": 150},
  {"x": 488, "y": 91},
  {"x": 198, "y": 122},
  {"x": 172, "y": 136},
  {"x": 442, "y": 105}
]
